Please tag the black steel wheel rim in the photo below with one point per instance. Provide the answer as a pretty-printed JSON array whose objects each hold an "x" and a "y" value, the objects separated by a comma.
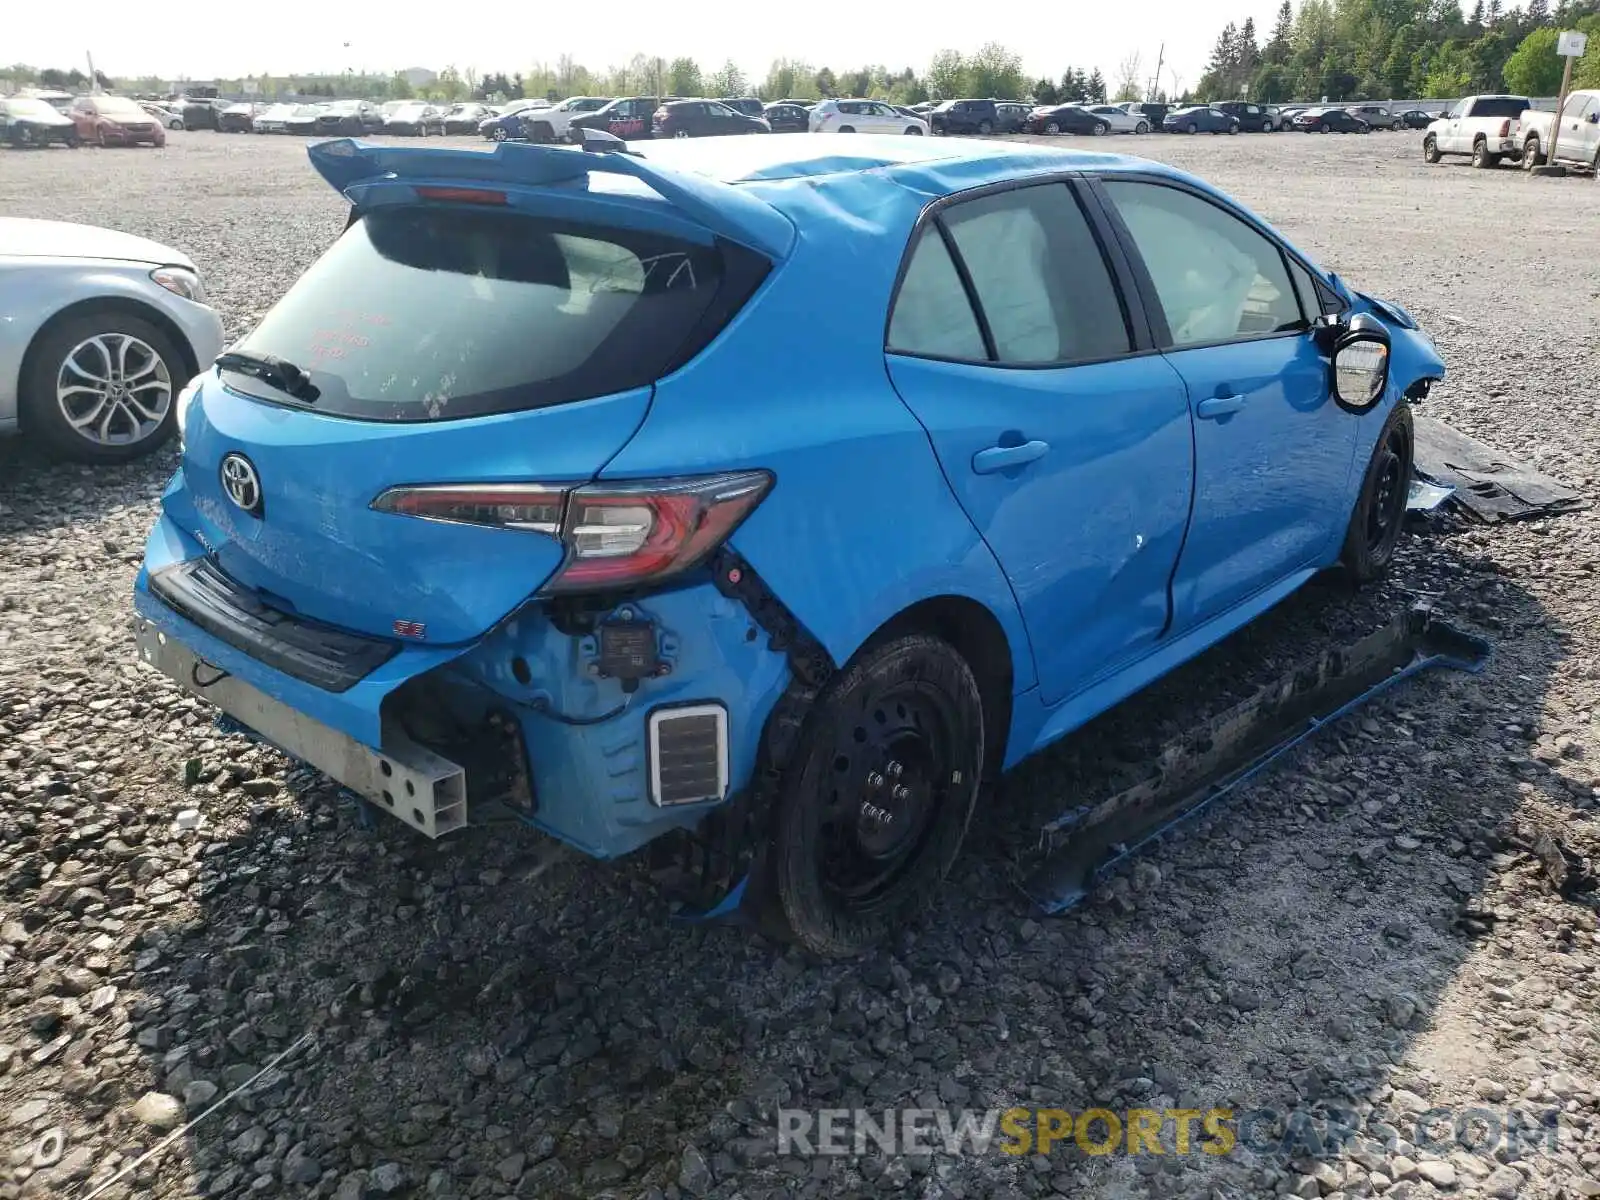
[
  {"x": 1388, "y": 493},
  {"x": 887, "y": 784}
]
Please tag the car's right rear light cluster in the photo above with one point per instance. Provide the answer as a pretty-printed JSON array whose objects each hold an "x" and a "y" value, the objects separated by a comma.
[{"x": 617, "y": 535}]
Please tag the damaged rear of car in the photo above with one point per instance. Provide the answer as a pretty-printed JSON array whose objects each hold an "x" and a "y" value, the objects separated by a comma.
[{"x": 527, "y": 496}]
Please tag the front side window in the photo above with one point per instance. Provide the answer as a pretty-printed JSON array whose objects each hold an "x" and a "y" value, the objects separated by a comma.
[
  {"x": 1575, "y": 105},
  {"x": 1217, "y": 278}
]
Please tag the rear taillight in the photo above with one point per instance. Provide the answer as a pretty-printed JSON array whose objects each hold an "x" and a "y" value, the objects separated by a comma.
[
  {"x": 1505, "y": 129},
  {"x": 616, "y": 535}
]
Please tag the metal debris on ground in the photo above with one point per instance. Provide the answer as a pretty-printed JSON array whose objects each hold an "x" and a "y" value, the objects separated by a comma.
[
  {"x": 1488, "y": 484},
  {"x": 1084, "y": 844}
]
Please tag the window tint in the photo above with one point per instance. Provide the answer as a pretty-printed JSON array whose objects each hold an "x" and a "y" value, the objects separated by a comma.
[
  {"x": 1499, "y": 106},
  {"x": 1039, "y": 276},
  {"x": 1216, "y": 277},
  {"x": 932, "y": 315},
  {"x": 421, "y": 314}
]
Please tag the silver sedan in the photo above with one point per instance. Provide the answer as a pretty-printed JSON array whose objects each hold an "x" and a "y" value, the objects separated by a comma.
[
  {"x": 99, "y": 331},
  {"x": 1121, "y": 120}
]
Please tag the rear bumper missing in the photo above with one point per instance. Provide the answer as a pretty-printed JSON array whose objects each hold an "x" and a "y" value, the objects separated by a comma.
[{"x": 421, "y": 788}]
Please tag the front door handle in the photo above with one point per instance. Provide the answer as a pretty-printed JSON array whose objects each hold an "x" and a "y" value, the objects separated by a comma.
[
  {"x": 1218, "y": 407},
  {"x": 1002, "y": 458}
]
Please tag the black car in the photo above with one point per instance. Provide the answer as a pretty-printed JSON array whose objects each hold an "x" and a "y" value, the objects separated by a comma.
[
  {"x": 965, "y": 116},
  {"x": 1066, "y": 118},
  {"x": 465, "y": 118},
  {"x": 1252, "y": 118},
  {"x": 303, "y": 120},
  {"x": 627, "y": 117},
  {"x": 354, "y": 117},
  {"x": 1414, "y": 118},
  {"x": 1330, "y": 120},
  {"x": 27, "y": 122},
  {"x": 750, "y": 106},
  {"x": 414, "y": 119},
  {"x": 200, "y": 113},
  {"x": 788, "y": 117},
  {"x": 1200, "y": 118},
  {"x": 702, "y": 118},
  {"x": 237, "y": 118}
]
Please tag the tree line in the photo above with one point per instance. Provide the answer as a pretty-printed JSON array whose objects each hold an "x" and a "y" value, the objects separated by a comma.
[
  {"x": 1394, "y": 49},
  {"x": 993, "y": 70}
]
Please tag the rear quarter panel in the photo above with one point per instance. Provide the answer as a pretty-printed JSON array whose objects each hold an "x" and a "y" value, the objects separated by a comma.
[{"x": 861, "y": 523}]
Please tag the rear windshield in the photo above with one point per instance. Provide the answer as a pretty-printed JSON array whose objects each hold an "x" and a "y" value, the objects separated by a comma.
[
  {"x": 424, "y": 314},
  {"x": 1499, "y": 106}
]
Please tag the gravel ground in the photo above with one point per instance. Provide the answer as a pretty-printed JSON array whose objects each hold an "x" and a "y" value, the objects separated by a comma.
[{"x": 1366, "y": 927}]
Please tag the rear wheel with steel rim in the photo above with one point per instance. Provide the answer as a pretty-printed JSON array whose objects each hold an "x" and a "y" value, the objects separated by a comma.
[
  {"x": 1380, "y": 510},
  {"x": 99, "y": 388},
  {"x": 875, "y": 804}
]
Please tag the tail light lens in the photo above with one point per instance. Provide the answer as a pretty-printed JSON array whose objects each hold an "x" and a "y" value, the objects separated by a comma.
[
  {"x": 1505, "y": 129},
  {"x": 617, "y": 535}
]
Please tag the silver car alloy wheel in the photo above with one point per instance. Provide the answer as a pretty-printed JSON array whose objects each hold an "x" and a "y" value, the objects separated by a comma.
[{"x": 114, "y": 389}]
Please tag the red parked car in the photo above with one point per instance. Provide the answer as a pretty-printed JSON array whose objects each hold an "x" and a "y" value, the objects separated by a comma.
[{"x": 115, "y": 121}]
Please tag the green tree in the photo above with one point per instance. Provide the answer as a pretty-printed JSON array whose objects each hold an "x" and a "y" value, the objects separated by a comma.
[
  {"x": 947, "y": 75},
  {"x": 727, "y": 80},
  {"x": 683, "y": 77},
  {"x": 1044, "y": 92},
  {"x": 400, "y": 88}
]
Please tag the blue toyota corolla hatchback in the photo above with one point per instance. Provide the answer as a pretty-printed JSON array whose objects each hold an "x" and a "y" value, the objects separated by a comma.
[{"x": 774, "y": 491}]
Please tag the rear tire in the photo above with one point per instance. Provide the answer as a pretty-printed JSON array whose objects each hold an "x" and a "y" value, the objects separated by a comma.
[
  {"x": 1430, "y": 149},
  {"x": 1099, "y": 130},
  {"x": 985, "y": 128},
  {"x": 847, "y": 129},
  {"x": 1481, "y": 158},
  {"x": 1380, "y": 511},
  {"x": 1051, "y": 127},
  {"x": 1142, "y": 127},
  {"x": 1192, "y": 129},
  {"x": 913, "y": 131},
  {"x": 1531, "y": 157},
  {"x": 875, "y": 803}
]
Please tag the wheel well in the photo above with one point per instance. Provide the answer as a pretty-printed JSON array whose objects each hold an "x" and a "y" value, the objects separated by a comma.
[
  {"x": 977, "y": 636},
  {"x": 108, "y": 304}
]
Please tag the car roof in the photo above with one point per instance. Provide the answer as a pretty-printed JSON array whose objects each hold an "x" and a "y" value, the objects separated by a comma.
[{"x": 935, "y": 165}]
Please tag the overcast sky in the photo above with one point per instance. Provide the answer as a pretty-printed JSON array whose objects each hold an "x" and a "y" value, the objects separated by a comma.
[{"x": 288, "y": 36}]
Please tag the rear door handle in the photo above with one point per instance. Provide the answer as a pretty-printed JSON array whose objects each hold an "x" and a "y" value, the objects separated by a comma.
[
  {"x": 1001, "y": 458},
  {"x": 1218, "y": 406}
]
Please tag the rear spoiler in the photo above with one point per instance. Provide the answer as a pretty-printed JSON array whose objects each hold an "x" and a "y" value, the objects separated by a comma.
[{"x": 727, "y": 211}]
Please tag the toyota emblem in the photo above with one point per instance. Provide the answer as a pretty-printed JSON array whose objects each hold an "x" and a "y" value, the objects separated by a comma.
[{"x": 240, "y": 481}]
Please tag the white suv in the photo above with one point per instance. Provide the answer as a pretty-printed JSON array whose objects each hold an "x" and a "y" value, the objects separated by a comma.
[
  {"x": 552, "y": 124},
  {"x": 863, "y": 116}
]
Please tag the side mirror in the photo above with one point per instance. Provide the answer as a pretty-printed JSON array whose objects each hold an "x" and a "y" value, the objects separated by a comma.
[{"x": 1361, "y": 364}]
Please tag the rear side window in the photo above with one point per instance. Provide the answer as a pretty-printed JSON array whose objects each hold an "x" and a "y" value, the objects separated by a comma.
[
  {"x": 419, "y": 314},
  {"x": 1500, "y": 106},
  {"x": 1036, "y": 273},
  {"x": 1039, "y": 276}
]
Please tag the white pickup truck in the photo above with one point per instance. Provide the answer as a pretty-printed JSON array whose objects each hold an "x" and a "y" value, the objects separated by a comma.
[
  {"x": 551, "y": 124},
  {"x": 1485, "y": 127},
  {"x": 1579, "y": 143}
]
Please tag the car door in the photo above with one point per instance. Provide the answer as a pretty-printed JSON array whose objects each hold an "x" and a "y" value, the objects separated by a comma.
[
  {"x": 1588, "y": 134},
  {"x": 1273, "y": 452},
  {"x": 1070, "y": 450},
  {"x": 1450, "y": 139},
  {"x": 1573, "y": 144},
  {"x": 887, "y": 120}
]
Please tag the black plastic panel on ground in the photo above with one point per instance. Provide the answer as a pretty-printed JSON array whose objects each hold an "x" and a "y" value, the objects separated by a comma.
[{"x": 331, "y": 659}]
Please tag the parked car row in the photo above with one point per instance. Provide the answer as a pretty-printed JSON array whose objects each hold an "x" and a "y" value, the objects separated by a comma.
[{"x": 100, "y": 120}]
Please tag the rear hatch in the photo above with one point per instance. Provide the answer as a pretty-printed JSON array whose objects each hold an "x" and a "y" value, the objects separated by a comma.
[{"x": 466, "y": 337}]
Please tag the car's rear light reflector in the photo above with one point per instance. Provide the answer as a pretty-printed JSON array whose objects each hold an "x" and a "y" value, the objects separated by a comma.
[
  {"x": 502, "y": 505},
  {"x": 617, "y": 535},
  {"x": 462, "y": 195},
  {"x": 1505, "y": 129}
]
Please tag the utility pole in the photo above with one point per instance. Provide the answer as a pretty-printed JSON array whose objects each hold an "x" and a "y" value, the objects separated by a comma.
[{"x": 1155, "y": 86}]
